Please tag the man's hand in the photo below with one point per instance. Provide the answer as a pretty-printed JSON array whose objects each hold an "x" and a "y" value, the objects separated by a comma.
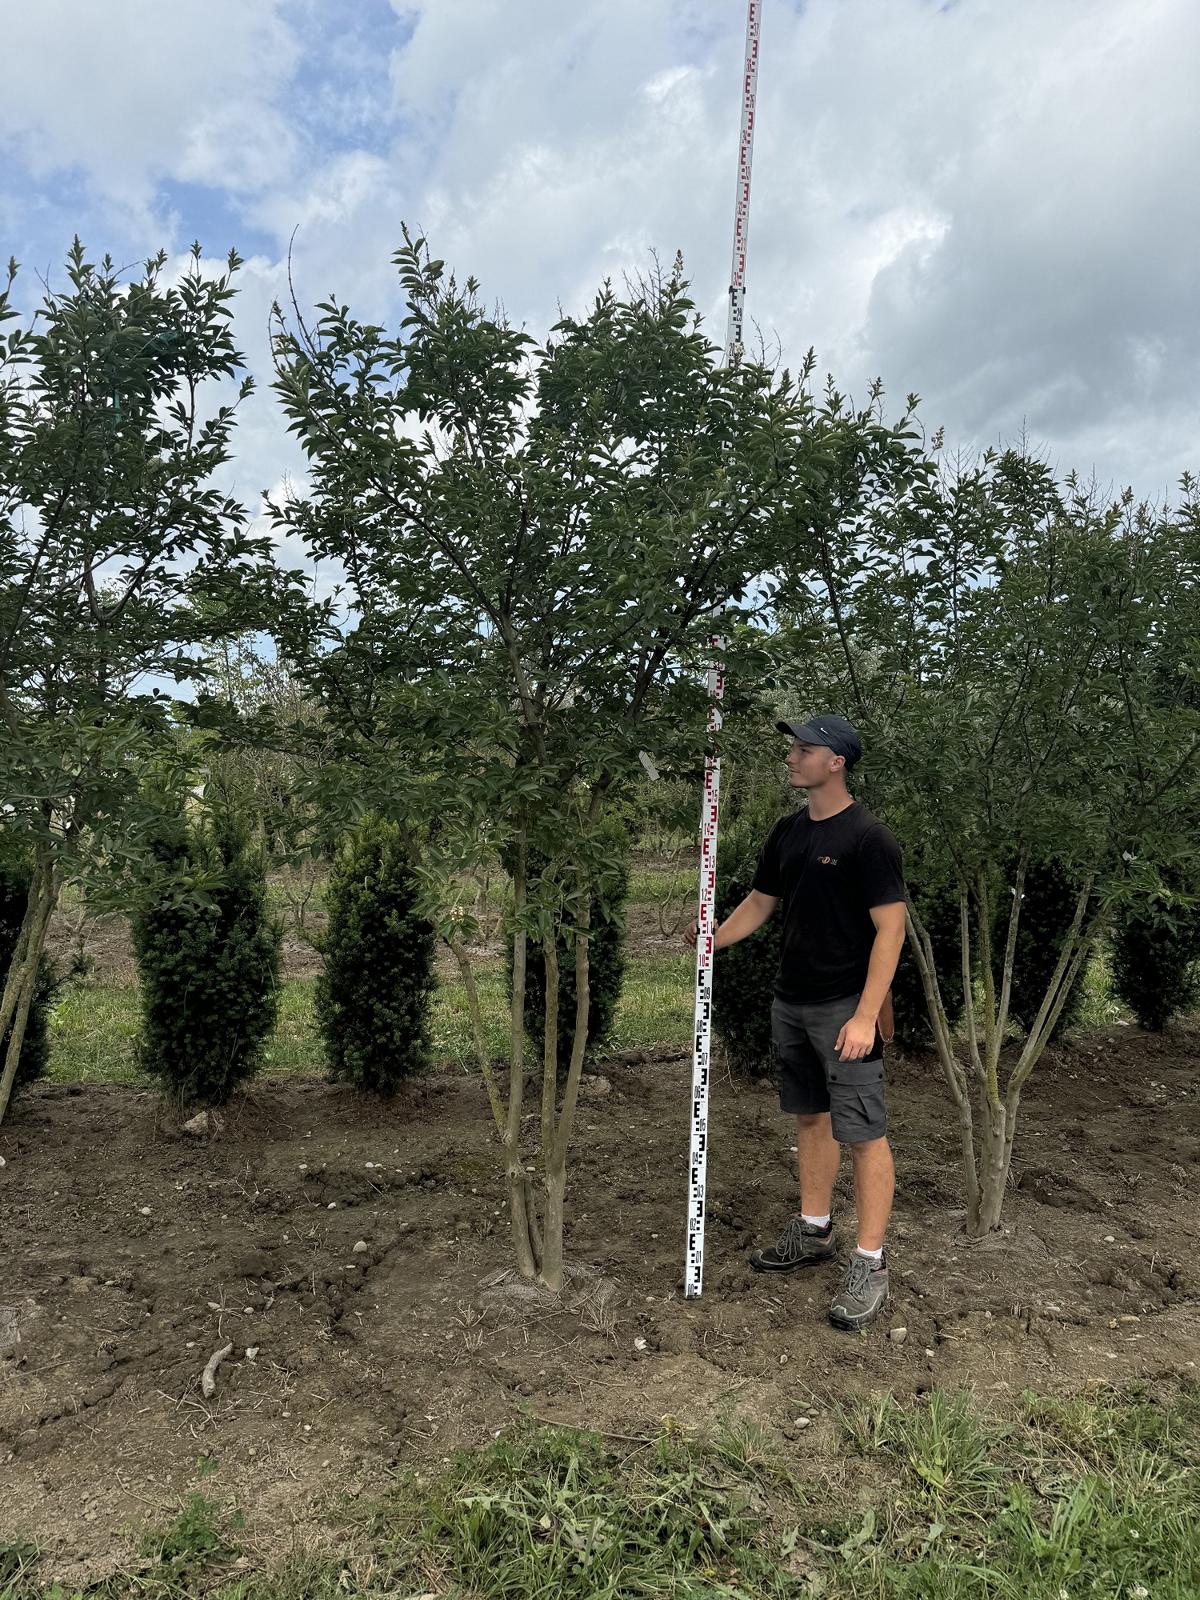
[
  {"x": 856, "y": 1039},
  {"x": 691, "y": 933}
]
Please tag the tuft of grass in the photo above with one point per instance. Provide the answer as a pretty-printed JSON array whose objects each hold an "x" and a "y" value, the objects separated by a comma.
[
  {"x": 1099, "y": 1007},
  {"x": 550, "y": 1514},
  {"x": 18, "y": 1557},
  {"x": 1100, "y": 1430},
  {"x": 1084, "y": 1496}
]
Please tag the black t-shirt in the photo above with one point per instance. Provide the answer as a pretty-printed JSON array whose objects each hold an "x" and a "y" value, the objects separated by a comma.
[{"x": 829, "y": 875}]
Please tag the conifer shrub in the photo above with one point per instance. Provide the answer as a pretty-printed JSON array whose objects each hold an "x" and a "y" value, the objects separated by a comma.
[
  {"x": 606, "y": 960},
  {"x": 207, "y": 951},
  {"x": 374, "y": 994},
  {"x": 15, "y": 877},
  {"x": 744, "y": 973},
  {"x": 939, "y": 911},
  {"x": 1156, "y": 960}
]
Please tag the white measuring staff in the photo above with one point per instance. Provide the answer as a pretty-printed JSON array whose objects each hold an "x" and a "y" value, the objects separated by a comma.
[{"x": 693, "y": 1278}]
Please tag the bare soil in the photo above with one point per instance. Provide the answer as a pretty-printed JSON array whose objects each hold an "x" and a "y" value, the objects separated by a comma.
[{"x": 358, "y": 1249}]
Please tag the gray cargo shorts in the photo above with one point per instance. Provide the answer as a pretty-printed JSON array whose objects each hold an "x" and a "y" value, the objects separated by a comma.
[{"x": 811, "y": 1077}]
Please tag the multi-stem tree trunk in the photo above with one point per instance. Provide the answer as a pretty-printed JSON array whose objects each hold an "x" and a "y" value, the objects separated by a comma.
[
  {"x": 21, "y": 980},
  {"x": 986, "y": 1103},
  {"x": 537, "y": 1243}
]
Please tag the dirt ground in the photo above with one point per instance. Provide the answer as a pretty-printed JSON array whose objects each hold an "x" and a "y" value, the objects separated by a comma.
[{"x": 348, "y": 1251}]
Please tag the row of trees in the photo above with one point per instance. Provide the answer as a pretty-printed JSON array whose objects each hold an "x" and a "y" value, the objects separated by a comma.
[{"x": 533, "y": 542}]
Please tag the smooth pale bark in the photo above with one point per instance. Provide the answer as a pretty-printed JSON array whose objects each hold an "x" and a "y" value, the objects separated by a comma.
[
  {"x": 987, "y": 1118},
  {"x": 475, "y": 1010},
  {"x": 21, "y": 981},
  {"x": 550, "y": 1047},
  {"x": 952, "y": 1069},
  {"x": 556, "y": 1164},
  {"x": 518, "y": 1190}
]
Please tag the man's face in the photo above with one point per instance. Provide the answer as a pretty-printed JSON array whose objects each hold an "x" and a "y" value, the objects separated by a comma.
[{"x": 810, "y": 765}]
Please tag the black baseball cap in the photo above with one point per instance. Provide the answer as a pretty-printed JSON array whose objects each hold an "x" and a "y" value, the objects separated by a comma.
[{"x": 827, "y": 729}]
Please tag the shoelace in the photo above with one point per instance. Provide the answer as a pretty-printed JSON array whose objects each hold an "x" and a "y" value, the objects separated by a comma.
[
  {"x": 858, "y": 1275},
  {"x": 790, "y": 1243}
]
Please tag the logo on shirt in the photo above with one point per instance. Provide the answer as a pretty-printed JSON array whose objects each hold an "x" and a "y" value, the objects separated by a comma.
[{"x": 827, "y": 861}]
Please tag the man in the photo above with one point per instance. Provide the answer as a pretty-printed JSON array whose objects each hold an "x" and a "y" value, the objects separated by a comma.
[{"x": 838, "y": 873}]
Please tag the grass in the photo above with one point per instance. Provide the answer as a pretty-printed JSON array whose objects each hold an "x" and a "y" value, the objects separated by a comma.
[
  {"x": 651, "y": 885},
  {"x": 1098, "y": 1005},
  {"x": 1093, "y": 1495},
  {"x": 94, "y": 1026}
]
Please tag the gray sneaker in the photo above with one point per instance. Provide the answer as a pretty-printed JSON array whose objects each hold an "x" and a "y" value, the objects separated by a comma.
[
  {"x": 863, "y": 1293},
  {"x": 801, "y": 1244}
]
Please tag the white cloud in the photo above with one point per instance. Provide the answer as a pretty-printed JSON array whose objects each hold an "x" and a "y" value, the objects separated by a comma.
[
  {"x": 991, "y": 203},
  {"x": 130, "y": 91}
]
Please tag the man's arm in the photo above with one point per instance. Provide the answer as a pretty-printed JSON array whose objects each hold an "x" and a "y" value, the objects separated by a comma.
[
  {"x": 855, "y": 1040},
  {"x": 747, "y": 919}
]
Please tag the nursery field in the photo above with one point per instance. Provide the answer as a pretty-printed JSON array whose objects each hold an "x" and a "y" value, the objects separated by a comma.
[{"x": 355, "y": 1259}]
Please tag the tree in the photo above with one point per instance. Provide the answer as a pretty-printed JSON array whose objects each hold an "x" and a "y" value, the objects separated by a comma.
[
  {"x": 534, "y": 540},
  {"x": 1003, "y": 639},
  {"x": 119, "y": 561}
]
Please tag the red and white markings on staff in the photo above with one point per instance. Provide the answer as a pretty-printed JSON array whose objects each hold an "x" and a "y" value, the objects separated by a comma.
[{"x": 693, "y": 1277}]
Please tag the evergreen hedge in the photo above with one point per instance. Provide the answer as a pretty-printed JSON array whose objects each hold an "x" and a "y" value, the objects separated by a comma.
[
  {"x": 744, "y": 974},
  {"x": 15, "y": 878},
  {"x": 374, "y": 994},
  {"x": 1156, "y": 960},
  {"x": 207, "y": 953}
]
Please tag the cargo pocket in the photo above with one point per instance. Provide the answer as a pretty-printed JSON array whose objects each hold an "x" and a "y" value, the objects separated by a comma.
[{"x": 857, "y": 1100}]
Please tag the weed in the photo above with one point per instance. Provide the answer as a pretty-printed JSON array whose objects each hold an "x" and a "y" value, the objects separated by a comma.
[
  {"x": 17, "y": 1561},
  {"x": 201, "y": 1531}
]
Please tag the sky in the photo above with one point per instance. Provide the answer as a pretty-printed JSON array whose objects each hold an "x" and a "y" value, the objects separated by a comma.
[{"x": 991, "y": 203}]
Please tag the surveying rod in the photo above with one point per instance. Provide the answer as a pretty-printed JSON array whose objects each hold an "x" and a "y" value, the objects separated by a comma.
[{"x": 693, "y": 1277}]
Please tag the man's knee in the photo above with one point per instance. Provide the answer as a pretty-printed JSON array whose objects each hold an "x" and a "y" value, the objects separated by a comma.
[
  {"x": 813, "y": 1121},
  {"x": 867, "y": 1149}
]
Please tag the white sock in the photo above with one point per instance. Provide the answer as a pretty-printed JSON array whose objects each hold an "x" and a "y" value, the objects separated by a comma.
[
  {"x": 872, "y": 1255},
  {"x": 817, "y": 1222}
]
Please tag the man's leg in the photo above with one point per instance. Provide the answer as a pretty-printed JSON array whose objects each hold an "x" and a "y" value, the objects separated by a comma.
[
  {"x": 863, "y": 1292},
  {"x": 804, "y": 1094},
  {"x": 858, "y": 1117},
  {"x": 874, "y": 1186},
  {"x": 818, "y": 1156}
]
